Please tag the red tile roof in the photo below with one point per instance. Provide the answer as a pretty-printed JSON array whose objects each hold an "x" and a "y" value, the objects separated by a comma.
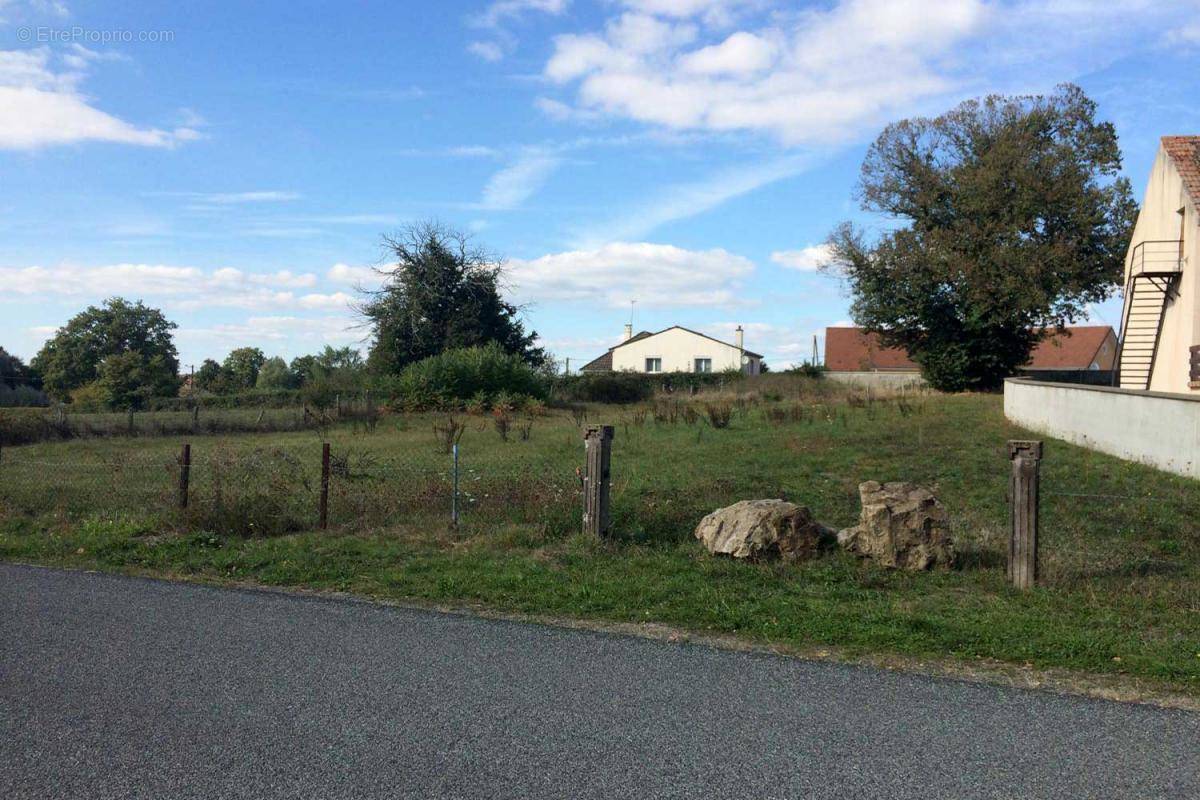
[
  {"x": 1078, "y": 348},
  {"x": 1185, "y": 152},
  {"x": 853, "y": 350}
]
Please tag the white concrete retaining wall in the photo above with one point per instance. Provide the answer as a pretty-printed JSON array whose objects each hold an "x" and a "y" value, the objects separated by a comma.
[
  {"x": 879, "y": 380},
  {"x": 1155, "y": 428}
]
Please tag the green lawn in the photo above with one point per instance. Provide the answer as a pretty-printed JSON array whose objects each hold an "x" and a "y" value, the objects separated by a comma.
[{"x": 1120, "y": 543}]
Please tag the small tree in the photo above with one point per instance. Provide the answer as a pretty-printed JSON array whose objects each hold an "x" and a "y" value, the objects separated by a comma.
[
  {"x": 208, "y": 377},
  {"x": 1015, "y": 220},
  {"x": 441, "y": 294},
  {"x": 241, "y": 366},
  {"x": 275, "y": 374}
]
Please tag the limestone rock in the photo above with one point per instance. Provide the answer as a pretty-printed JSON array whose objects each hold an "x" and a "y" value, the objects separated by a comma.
[
  {"x": 902, "y": 525},
  {"x": 762, "y": 529}
]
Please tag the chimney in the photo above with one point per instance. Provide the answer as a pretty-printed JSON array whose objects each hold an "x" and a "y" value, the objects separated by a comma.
[
  {"x": 628, "y": 332},
  {"x": 739, "y": 338}
]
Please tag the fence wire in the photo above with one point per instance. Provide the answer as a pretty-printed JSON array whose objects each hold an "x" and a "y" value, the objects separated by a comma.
[{"x": 276, "y": 489}]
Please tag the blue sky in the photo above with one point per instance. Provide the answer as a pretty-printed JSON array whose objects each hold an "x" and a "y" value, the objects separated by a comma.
[{"x": 236, "y": 164}]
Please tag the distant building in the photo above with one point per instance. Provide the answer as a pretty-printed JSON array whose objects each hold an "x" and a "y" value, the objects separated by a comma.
[
  {"x": 1160, "y": 322},
  {"x": 676, "y": 349},
  {"x": 1079, "y": 348}
]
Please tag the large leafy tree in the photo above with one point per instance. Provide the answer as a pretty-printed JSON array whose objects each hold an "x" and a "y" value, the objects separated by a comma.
[
  {"x": 72, "y": 358},
  {"x": 440, "y": 294},
  {"x": 1011, "y": 220}
]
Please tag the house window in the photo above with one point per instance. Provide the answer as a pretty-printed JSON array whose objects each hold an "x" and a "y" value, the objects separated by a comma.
[
  {"x": 654, "y": 365},
  {"x": 703, "y": 365}
]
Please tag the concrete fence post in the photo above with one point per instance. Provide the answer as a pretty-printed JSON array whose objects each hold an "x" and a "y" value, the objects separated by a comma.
[
  {"x": 597, "y": 443},
  {"x": 1023, "y": 496}
]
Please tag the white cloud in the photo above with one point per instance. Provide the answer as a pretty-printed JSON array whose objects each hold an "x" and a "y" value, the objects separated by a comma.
[
  {"x": 348, "y": 275},
  {"x": 689, "y": 199},
  {"x": 180, "y": 287},
  {"x": 334, "y": 301},
  {"x": 496, "y": 19},
  {"x": 41, "y": 105},
  {"x": 513, "y": 185},
  {"x": 274, "y": 331},
  {"x": 808, "y": 259},
  {"x": 741, "y": 54},
  {"x": 825, "y": 74},
  {"x": 488, "y": 51},
  {"x": 502, "y": 10},
  {"x": 236, "y": 198},
  {"x": 652, "y": 274}
]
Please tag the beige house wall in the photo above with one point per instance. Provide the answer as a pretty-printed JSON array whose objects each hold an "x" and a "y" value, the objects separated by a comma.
[
  {"x": 1160, "y": 220},
  {"x": 678, "y": 349}
]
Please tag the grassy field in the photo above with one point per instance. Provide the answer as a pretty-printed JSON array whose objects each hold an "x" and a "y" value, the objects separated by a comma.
[{"x": 1120, "y": 546}]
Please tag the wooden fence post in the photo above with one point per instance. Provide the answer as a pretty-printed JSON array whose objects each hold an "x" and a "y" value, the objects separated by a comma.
[
  {"x": 1023, "y": 494},
  {"x": 597, "y": 443},
  {"x": 324, "y": 507},
  {"x": 185, "y": 469}
]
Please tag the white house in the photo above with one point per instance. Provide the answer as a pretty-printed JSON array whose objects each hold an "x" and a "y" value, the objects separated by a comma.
[
  {"x": 1160, "y": 323},
  {"x": 676, "y": 349}
]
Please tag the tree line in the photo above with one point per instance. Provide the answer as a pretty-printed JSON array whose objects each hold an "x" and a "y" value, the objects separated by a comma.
[{"x": 438, "y": 294}]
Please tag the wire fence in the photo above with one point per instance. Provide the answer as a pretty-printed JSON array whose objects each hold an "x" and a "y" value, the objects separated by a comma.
[{"x": 277, "y": 489}]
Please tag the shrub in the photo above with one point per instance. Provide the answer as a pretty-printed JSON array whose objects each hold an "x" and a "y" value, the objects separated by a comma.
[
  {"x": 608, "y": 387},
  {"x": 90, "y": 397},
  {"x": 474, "y": 375},
  {"x": 635, "y": 387},
  {"x": 21, "y": 396}
]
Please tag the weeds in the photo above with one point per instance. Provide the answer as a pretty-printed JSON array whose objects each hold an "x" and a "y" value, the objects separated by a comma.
[
  {"x": 719, "y": 414},
  {"x": 448, "y": 432}
]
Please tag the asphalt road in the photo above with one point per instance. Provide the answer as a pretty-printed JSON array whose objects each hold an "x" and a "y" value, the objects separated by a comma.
[{"x": 122, "y": 687}]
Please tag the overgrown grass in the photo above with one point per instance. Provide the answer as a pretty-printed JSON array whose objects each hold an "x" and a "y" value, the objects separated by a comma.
[{"x": 1120, "y": 542}]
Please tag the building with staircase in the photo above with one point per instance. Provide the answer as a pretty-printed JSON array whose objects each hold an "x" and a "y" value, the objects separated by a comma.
[{"x": 1160, "y": 321}]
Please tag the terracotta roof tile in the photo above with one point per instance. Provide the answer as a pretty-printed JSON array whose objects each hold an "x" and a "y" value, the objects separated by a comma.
[
  {"x": 1077, "y": 348},
  {"x": 1185, "y": 152},
  {"x": 853, "y": 350}
]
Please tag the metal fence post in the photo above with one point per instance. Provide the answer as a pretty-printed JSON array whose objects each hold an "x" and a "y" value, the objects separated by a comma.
[
  {"x": 597, "y": 443},
  {"x": 185, "y": 469},
  {"x": 1023, "y": 496},
  {"x": 324, "y": 505},
  {"x": 454, "y": 498}
]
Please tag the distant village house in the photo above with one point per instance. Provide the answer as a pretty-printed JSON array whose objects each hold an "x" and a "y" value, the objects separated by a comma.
[{"x": 676, "y": 349}]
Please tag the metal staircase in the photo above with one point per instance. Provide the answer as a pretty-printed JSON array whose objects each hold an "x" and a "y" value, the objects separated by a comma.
[{"x": 1153, "y": 282}]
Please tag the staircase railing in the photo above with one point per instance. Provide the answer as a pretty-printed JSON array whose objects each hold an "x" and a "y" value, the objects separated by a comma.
[
  {"x": 1160, "y": 262},
  {"x": 1156, "y": 257}
]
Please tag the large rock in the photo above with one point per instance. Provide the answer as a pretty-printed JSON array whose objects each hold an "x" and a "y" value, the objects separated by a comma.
[
  {"x": 902, "y": 525},
  {"x": 762, "y": 529}
]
